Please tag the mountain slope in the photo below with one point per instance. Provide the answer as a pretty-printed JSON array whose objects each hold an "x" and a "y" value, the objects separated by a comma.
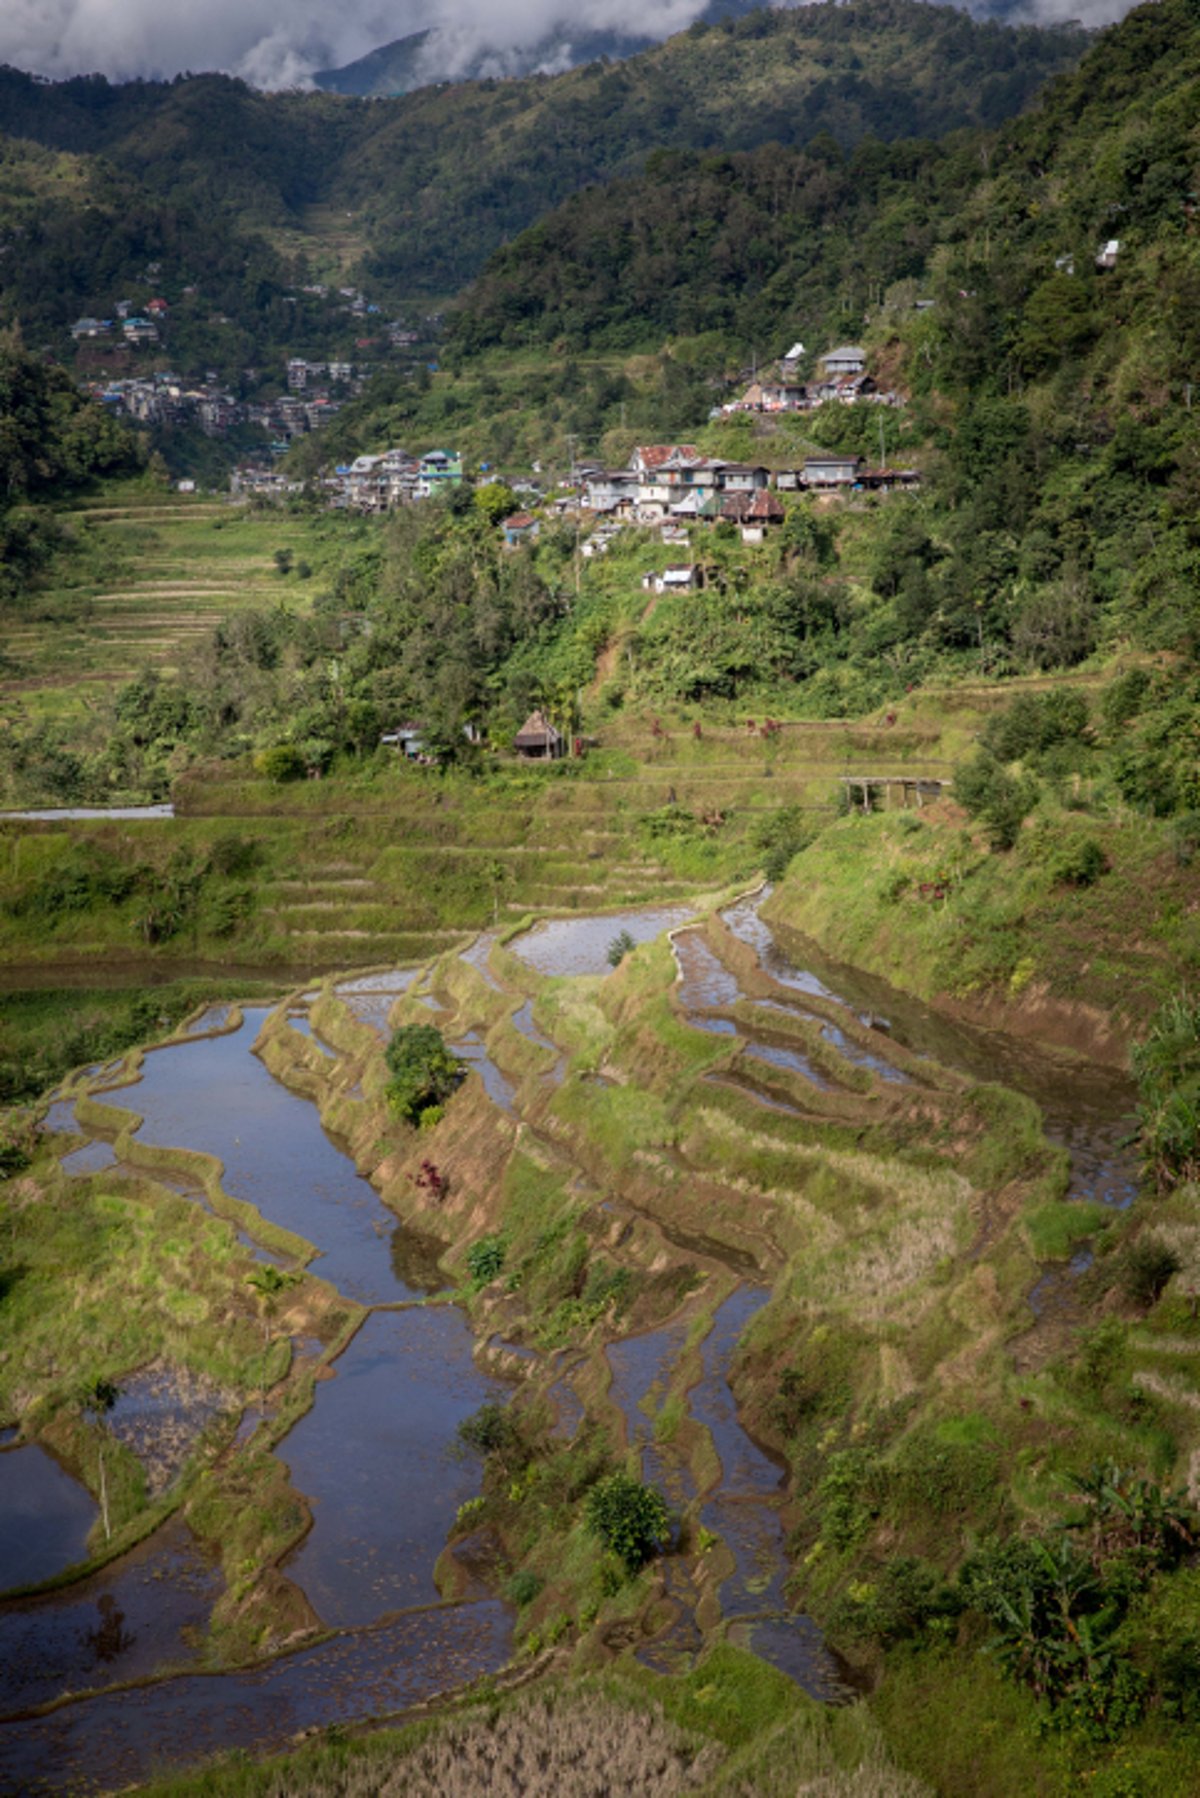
[
  {"x": 769, "y": 243},
  {"x": 439, "y": 178}
]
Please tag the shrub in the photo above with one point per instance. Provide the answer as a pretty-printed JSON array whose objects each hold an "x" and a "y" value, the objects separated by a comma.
[
  {"x": 1056, "y": 1623},
  {"x": 846, "y": 1509},
  {"x": 485, "y": 1259},
  {"x": 910, "y": 1599},
  {"x": 1000, "y": 800},
  {"x": 1034, "y": 723},
  {"x": 234, "y": 856},
  {"x": 781, "y": 837},
  {"x": 524, "y": 1586},
  {"x": 1146, "y": 1267},
  {"x": 1124, "y": 699},
  {"x": 490, "y": 1430},
  {"x": 628, "y": 1517},
  {"x": 1185, "y": 839},
  {"x": 280, "y": 763},
  {"x": 619, "y": 948},
  {"x": 1079, "y": 863},
  {"x": 424, "y": 1072}
]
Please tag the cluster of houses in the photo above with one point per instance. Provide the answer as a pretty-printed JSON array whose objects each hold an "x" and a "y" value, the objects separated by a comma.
[
  {"x": 842, "y": 380},
  {"x": 167, "y": 399},
  {"x": 676, "y": 483},
  {"x": 303, "y": 375},
  {"x": 135, "y": 329},
  {"x": 394, "y": 478}
]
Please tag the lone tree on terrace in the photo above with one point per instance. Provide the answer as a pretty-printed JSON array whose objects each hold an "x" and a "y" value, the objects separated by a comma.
[{"x": 424, "y": 1072}]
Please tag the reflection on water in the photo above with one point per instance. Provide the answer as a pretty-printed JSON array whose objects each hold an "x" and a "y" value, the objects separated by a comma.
[
  {"x": 76, "y": 813},
  {"x": 641, "y": 1369},
  {"x": 377, "y": 1458},
  {"x": 391, "y": 980},
  {"x": 744, "y": 922},
  {"x": 93, "y": 1158},
  {"x": 45, "y": 1517},
  {"x": 473, "y": 1051},
  {"x": 793, "y": 1059},
  {"x": 705, "y": 982},
  {"x": 159, "y": 1415},
  {"x": 113, "y": 1741},
  {"x": 60, "y": 1118},
  {"x": 581, "y": 945},
  {"x": 214, "y": 1018},
  {"x": 370, "y": 997},
  {"x": 119, "y": 1625},
  {"x": 476, "y": 956},
  {"x": 213, "y": 1094},
  {"x": 852, "y": 1051},
  {"x": 523, "y": 1021},
  {"x": 299, "y": 1022},
  {"x": 743, "y": 1512}
]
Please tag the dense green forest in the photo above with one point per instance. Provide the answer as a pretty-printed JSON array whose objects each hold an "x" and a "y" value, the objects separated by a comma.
[{"x": 437, "y": 179}]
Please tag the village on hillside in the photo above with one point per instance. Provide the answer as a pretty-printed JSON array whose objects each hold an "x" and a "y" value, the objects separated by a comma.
[{"x": 672, "y": 486}]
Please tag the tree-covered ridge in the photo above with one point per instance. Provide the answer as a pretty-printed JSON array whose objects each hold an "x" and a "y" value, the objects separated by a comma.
[
  {"x": 79, "y": 242},
  {"x": 438, "y": 178},
  {"x": 753, "y": 244}
]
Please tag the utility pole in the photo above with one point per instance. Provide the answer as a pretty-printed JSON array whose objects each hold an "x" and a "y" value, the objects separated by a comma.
[{"x": 882, "y": 454}]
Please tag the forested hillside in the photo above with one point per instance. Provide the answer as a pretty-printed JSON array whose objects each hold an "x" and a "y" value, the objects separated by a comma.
[
  {"x": 52, "y": 442},
  {"x": 439, "y": 178},
  {"x": 80, "y": 233},
  {"x": 1049, "y": 400}
]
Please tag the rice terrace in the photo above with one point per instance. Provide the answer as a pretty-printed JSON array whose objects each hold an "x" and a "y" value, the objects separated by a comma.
[{"x": 600, "y": 907}]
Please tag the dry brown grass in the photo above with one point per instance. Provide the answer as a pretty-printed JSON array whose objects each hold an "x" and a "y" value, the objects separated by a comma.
[{"x": 542, "y": 1749}]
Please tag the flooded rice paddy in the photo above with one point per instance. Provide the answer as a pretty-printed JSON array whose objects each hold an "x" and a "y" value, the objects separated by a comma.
[
  {"x": 581, "y": 945},
  {"x": 93, "y": 1158},
  {"x": 378, "y": 1459},
  {"x": 125, "y": 1623},
  {"x": 370, "y": 997},
  {"x": 214, "y": 1095},
  {"x": 522, "y": 1021},
  {"x": 473, "y": 1051},
  {"x": 45, "y": 1517},
  {"x": 1088, "y": 1110},
  {"x": 104, "y": 1743},
  {"x": 160, "y": 1414},
  {"x": 742, "y": 1509}
]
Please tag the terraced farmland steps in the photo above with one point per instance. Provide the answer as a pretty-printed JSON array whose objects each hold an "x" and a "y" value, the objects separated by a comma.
[{"x": 719, "y": 991}]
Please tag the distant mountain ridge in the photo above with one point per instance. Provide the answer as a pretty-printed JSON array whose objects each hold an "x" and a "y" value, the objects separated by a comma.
[
  {"x": 414, "y": 193},
  {"x": 436, "y": 54}
]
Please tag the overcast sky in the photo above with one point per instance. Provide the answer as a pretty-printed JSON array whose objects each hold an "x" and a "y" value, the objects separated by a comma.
[{"x": 278, "y": 43}]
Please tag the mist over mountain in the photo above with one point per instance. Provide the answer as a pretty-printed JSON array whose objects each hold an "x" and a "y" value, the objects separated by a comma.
[
  {"x": 460, "y": 51},
  {"x": 398, "y": 41}
]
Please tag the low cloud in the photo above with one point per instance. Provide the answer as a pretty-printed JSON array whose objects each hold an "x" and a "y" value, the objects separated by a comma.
[{"x": 127, "y": 38}]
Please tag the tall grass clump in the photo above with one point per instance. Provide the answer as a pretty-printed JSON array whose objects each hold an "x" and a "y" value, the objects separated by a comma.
[{"x": 1167, "y": 1069}]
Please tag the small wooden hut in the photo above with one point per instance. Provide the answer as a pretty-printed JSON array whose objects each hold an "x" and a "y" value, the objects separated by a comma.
[{"x": 537, "y": 740}]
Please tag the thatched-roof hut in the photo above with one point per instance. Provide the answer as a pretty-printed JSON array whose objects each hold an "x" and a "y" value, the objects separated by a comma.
[{"x": 538, "y": 740}]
